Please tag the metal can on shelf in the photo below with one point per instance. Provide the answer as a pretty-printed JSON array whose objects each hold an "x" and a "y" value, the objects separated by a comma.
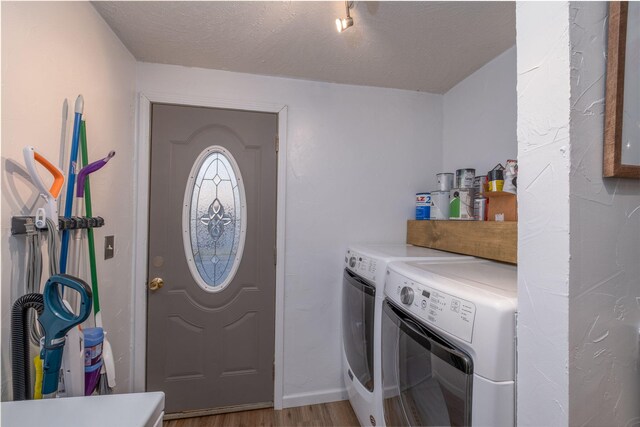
[
  {"x": 481, "y": 184},
  {"x": 496, "y": 180},
  {"x": 461, "y": 204},
  {"x": 464, "y": 178},
  {"x": 423, "y": 206},
  {"x": 480, "y": 208},
  {"x": 440, "y": 204},
  {"x": 445, "y": 181}
]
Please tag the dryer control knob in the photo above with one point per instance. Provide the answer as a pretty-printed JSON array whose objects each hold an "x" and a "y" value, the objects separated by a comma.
[
  {"x": 406, "y": 295},
  {"x": 352, "y": 262}
]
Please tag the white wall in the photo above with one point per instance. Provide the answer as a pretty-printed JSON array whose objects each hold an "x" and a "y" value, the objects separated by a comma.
[
  {"x": 543, "y": 213},
  {"x": 604, "y": 287},
  {"x": 480, "y": 117},
  {"x": 579, "y": 234},
  {"x": 53, "y": 50},
  {"x": 356, "y": 157}
]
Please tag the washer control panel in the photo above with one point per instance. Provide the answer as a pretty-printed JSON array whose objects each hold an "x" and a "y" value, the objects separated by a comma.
[
  {"x": 360, "y": 264},
  {"x": 433, "y": 306}
]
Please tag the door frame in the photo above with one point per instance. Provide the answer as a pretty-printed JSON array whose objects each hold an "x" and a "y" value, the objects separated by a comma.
[{"x": 141, "y": 182}]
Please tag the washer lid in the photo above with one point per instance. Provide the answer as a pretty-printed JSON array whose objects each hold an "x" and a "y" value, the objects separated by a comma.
[
  {"x": 496, "y": 277},
  {"x": 399, "y": 251}
]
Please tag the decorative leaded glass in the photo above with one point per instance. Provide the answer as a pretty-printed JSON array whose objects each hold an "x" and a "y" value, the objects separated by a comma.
[{"x": 214, "y": 219}]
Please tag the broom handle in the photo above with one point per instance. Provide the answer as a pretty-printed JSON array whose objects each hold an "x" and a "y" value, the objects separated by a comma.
[
  {"x": 63, "y": 142},
  {"x": 89, "y": 213},
  {"x": 71, "y": 179}
]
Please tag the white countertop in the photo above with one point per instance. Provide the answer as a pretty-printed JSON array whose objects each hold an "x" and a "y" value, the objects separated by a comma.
[{"x": 121, "y": 410}]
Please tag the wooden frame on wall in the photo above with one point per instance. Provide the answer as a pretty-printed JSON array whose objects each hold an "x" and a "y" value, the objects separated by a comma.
[{"x": 616, "y": 51}]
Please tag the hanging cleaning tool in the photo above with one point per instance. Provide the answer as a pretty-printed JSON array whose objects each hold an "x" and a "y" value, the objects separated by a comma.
[
  {"x": 50, "y": 195},
  {"x": 45, "y": 218},
  {"x": 83, "y": 175},
  {"x": 63, "y": 140},
  {"x": 78, "y": 208},
  {"x": 71, "y": 180},
  {"x": 57, "y": 320},
  {"x": 80, "y": 188},
  {"x": 83, "y": 182},
  {"x": 105, "y": 385}
]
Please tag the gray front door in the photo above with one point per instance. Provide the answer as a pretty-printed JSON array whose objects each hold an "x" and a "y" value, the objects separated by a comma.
[{"x": 212, "y": 234}]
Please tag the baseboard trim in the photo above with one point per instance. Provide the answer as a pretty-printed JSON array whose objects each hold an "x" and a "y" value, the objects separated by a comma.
[{"x": 314, "y": 398}]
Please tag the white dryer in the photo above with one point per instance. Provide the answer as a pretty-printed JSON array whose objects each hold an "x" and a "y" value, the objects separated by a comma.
[
  {"x": 362, "y": 298},
  {"x": 448, "y": 344}
]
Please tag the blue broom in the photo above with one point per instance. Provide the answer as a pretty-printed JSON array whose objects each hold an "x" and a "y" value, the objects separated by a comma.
[{"x": 71, "y": 180}]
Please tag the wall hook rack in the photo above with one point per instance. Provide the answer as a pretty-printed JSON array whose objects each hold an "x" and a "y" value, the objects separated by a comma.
[{"x": 27, "y": 224}]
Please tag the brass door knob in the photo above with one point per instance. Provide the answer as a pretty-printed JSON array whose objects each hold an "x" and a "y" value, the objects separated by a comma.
[{"x": 156, "y": 284}]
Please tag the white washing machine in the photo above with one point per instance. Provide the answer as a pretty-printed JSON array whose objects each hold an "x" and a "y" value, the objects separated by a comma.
[
  {"x": 448, "y": 344},
  {"x": 362, "y": 298}
]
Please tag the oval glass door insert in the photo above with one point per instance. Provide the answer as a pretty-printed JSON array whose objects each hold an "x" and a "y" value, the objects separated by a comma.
[{"x": 214, "y": 219}]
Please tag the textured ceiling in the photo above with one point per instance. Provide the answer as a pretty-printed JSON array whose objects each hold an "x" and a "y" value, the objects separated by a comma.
[{"x": 426, "y": 46}]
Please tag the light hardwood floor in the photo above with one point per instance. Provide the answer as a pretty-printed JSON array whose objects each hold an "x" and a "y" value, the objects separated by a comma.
[{"x": 337, "y": 414}]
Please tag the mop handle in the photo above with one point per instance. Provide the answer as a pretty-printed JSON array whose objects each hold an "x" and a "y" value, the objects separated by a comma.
[
  {"x": 83, "y": 183},
  {"x": 71, "y": 180},
  {"x": 91, "y": 241},
  {"x": 86, "y": 188}
]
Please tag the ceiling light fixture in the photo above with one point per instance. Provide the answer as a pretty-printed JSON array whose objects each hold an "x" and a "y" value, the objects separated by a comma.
[{"x": 344, "y": 23}]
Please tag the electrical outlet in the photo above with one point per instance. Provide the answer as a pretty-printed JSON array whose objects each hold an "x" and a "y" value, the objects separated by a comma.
[{"x": 109, "y": 246}]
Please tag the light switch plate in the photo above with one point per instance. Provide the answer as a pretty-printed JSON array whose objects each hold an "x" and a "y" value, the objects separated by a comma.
[{"x": 109, "y": 246}]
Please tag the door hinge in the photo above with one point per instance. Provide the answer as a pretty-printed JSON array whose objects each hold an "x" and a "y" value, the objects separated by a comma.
[
  {"x": 275, "y": 255},
  {"x": 273, "y": 372},
  {"x": 277, "y": 143}
]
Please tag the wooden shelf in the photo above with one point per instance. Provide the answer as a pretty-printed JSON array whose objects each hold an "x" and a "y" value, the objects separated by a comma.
[{"x": 485, "y": 239}]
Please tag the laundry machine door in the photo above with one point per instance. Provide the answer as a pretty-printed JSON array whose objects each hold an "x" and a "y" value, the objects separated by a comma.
[
  {"x": 358, "y": 303},
  {"x": 426, "y": 380}
]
